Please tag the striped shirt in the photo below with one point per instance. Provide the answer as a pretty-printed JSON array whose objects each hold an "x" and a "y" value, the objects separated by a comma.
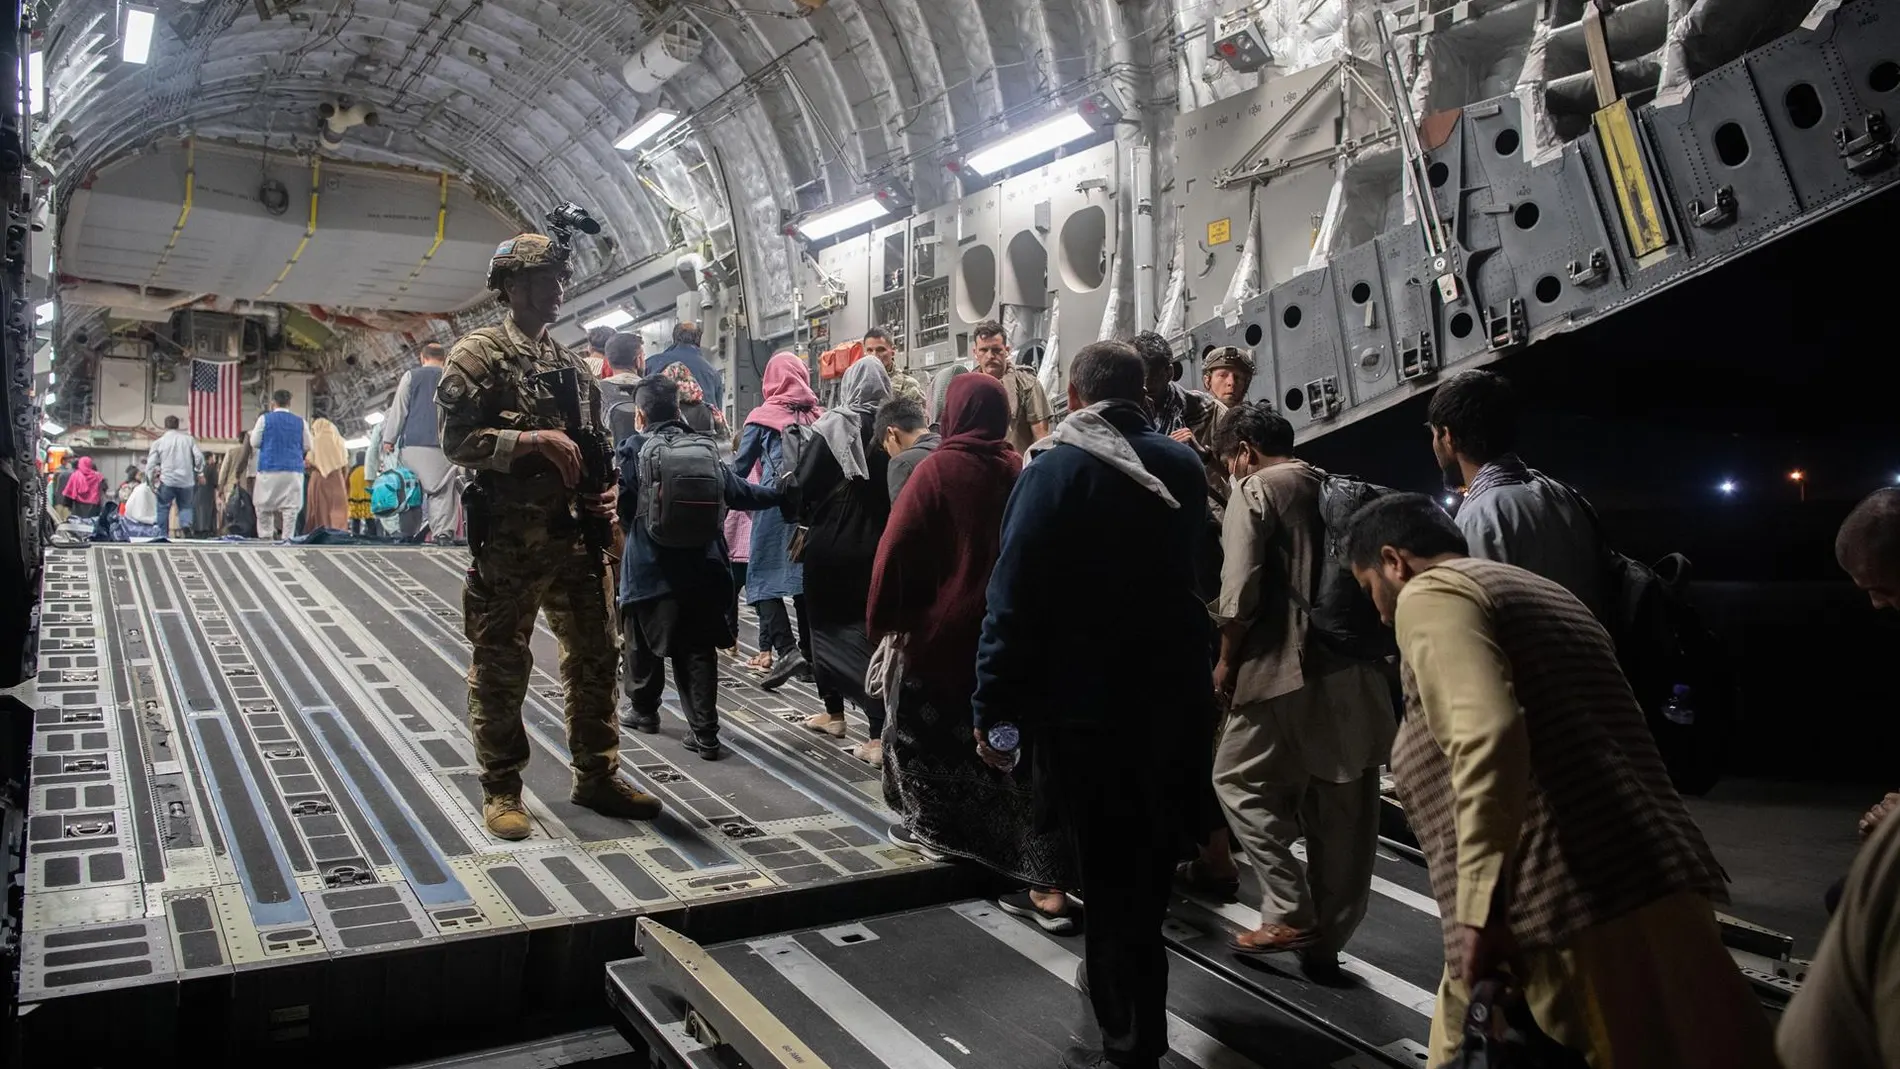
[{"x": 1525, "y": 760}]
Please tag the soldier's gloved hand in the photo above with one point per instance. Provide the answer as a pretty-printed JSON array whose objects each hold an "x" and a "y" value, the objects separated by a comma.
[
  {"x": 560, "y": 451},
  {"x": 602, "y": 504}
]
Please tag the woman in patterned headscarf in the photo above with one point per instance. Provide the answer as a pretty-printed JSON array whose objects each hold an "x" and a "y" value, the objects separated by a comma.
[{"x": 694, "y": 410}]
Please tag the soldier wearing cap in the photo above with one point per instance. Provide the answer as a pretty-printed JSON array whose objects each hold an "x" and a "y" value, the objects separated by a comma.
[
  {"x": 526, "y": 544},
  {"x": 1228, "y": 373}
]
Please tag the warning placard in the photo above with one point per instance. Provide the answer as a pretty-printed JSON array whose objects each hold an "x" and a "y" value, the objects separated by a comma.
[{"x": 1220, "y": 231}]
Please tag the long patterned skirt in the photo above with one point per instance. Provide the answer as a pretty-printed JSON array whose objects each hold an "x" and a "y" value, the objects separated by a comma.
[{"x": 954, "y": 802}]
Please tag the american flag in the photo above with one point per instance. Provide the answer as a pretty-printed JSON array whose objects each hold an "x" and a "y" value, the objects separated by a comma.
[{"x": 214, "y": 398}]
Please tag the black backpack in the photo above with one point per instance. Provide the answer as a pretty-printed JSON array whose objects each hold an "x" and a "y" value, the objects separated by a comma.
[
  {"x": 1676, "y": 666},
  {"x": 1342, "y": 619},
  {"x": 682, "y": 490},
  {"x": 616, "y": 403},
  {"x": 794, "y": 442}
]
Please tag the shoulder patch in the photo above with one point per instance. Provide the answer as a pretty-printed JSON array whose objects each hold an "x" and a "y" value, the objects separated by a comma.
[{"x": 453, "y": 390}]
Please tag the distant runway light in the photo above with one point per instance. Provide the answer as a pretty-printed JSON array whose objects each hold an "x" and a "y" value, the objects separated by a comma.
[
  {"x": 1450, "y": 500},
  {"x": 1727, "y": 487}
]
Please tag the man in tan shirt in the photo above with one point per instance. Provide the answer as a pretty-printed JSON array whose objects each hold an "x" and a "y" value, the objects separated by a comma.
[
  {"x": 1029, "y": 410},
  {"x": 1847, "y": 1014},
  {"x": 1559, "y": 854},
  {"x": 1305, "y": 730}
]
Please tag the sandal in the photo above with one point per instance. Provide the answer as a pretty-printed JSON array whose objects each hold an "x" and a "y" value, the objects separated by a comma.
[
  {"x": 760, "y": 662},
  {"x": 1273, "y": 939}
]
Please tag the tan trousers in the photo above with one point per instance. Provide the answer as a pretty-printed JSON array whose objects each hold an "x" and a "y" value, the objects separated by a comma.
[
  {"x": 1653, "y": 989},
  {"x": 1271, "y": 798}
]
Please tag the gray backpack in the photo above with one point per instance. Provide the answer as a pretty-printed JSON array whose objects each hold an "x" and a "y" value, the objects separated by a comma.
[{"x": 682, "y": 490}]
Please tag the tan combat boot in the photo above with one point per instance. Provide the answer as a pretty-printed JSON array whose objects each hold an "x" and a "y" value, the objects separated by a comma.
[
  {"x": 505, "y": 817},
  {"x": 612, "y": 796}
]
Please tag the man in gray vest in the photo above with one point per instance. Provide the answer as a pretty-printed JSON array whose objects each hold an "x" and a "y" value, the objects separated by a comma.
[{"x": 417, "y": 447}]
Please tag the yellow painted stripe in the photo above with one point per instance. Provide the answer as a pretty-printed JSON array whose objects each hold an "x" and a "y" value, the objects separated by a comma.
[
  {"x": 1641, "y": 218},
  {"x": 316, "y": 177},
  {"x": 184, "y": 213},
  {"x": 441, "y": 226}
]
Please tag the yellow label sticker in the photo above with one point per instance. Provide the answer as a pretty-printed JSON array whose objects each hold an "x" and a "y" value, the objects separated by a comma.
[{"x": 1220, "y": 231}]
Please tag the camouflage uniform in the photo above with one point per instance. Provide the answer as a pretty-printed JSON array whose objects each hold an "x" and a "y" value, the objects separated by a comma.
[
  {"x": 532, "y": 557},
  {"x": 904, "y": 385}
]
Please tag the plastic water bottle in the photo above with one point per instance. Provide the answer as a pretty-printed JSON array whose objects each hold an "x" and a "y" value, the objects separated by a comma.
[{"x": 1678, "y": 709}]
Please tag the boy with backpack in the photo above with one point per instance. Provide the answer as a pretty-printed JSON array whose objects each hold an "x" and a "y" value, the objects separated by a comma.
[
  {"x": 1308, "y": 715},
  {"x": 675, "y": 571}
]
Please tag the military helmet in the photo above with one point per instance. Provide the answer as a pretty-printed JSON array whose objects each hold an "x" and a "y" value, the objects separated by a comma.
[
  {"x": 520, "y": 253},
  {"x": 1229, "y": 356}
]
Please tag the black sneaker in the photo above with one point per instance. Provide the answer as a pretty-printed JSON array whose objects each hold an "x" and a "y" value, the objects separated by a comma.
[
  {"x": 783, "y": 669},
  {"x": 708, "y": 749},
  {"x": 1021, "y": 905},
  {"x": 904, "y": 837},
  {"x": 646, "y": 725}
]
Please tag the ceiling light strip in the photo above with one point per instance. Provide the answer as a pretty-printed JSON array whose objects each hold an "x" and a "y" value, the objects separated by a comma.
[
  {"x": 316, "y": 175},
  {"x": 441, "y": 223},
  {"x": 184, "y": 213}
]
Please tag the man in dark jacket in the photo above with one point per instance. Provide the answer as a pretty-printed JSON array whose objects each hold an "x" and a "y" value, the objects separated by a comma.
[
  {"x": 673, "y": 600},
  {"x": 685, "y": 350},
  {"x": 1118, "y": 754},
  {"x": 906, "y": 438}
]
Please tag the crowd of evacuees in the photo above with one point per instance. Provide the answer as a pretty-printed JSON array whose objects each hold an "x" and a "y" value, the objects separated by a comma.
[{"x": 1083, "y": 650}]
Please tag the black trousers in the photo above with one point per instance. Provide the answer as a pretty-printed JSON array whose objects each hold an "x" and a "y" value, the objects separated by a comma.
[
  {"x": 775, "y": 628},
  {"x": 1120, "y": 805},
  {"x": 776, "y": 634},
  {"x": 738, "y": 582},
  {"x": 695, "y": 676}
]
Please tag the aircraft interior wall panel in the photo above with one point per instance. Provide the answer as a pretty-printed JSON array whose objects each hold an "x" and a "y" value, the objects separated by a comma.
[
  {"x": 1084, "y": 237},
  {"x": 121, "y": 392},
  {"x": 887, "y": 280},
  {"x": 1307, "y": 356},
  {"x": 1723, "y": 171},
  {"x": 1365, "y": 324},
  {"x": 1214, "y": 220},
  {"x": 933, "y": 269},
  {"x": 1808, "y": 91},
  {"x": 977, "y": 287}
]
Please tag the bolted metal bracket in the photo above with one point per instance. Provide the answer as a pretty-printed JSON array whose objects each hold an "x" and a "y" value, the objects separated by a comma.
[
  {"x": 1322, "y": 398},
  {"x": 1872, "y": 151},
  {"x": 1592, "y": 272},
  {"x": 1508, "y": 329},
  {"x": 1418, "y": 361},
  {"x": 1721, "y": 213}
]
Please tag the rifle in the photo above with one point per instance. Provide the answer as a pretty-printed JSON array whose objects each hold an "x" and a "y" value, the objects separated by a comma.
[{"x": 597, "y": 457}]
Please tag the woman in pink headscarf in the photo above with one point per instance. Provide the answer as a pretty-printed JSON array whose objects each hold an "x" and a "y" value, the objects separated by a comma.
[
  {"x": 771, "y": 574},
  {"x": 85, "y": 488}
]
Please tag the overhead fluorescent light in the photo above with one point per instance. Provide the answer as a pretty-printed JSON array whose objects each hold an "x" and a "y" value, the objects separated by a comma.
[
  {"x": 49, "y": 399},
  {"x": 646, "y": 129},
  {"x": 52, "y": 429},
  {"x": 136, "y": 45},
  {"x": 837, "y": 220},
  {"x": 1038, "y": 139},
  {"x": 36, "y": 81},
  {"x": 45, "y": 311},
  {"x": 374, "y": 418},
  {"x": 52, "y": 377},
  {"x": 612, "y": 319},
  {"x": 356, "y": 443}
]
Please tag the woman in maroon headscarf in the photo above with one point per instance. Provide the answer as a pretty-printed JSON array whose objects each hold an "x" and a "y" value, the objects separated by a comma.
[{"x": 929, "y": 583}]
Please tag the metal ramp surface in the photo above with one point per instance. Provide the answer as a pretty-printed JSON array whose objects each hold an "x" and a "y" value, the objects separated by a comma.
[{"x": 255, "y": 820}]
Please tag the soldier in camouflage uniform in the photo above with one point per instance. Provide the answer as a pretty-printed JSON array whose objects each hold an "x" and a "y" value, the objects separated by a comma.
[
  {"x": 496, "y": 420},
  {"x": 877, "y": 345}
]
